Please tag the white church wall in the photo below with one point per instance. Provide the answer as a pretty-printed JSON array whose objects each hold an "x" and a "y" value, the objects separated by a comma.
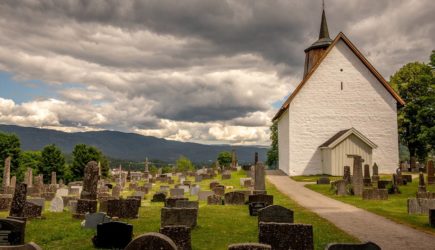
[
  {"x": 322, "y": 108},
  {"x": 283, "y": 143}
]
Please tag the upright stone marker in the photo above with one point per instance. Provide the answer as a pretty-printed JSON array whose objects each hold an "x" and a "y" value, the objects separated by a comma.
[
  {"x": 357, "y": 178},
  {"x": 13, "y": 181},
  {"x": 346, "y": 175},
  {"x": 53, "y": 178},
  {"x": 367, "y": 180},
  {"x": 275, "y": 213},
  {"x": 375, "y": 176},
  {"x": 19, "y": 201},
  {"x": 285, "y": 236},
  {"x": 87, "y": 202},
  {"x": 260, "y": 181},
  {"x": 421, "y": 184},
  {"x": 430, "y": 173},
  {"x": 180, "y": 235},
  {"x": 12, "y": 232},
  {"x": 151, "y": 241},
  {"x": 7, "y": 174}
]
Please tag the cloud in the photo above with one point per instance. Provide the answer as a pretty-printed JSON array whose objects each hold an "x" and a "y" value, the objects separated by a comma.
[{"x": 191, "y": 70}]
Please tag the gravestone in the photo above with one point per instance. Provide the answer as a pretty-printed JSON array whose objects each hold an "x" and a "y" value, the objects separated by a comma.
[
  {"x": 357, "y": 178},
  {"x": 37, "y": 201},
  {"x": 430, "y": 173},
  {"x": 353, "y": 246},
  {"x": 13, "y": 181},
  {"x": 432, "y": 217},
  {"x": 12, "y": 231},
  {"x": 421, "y": 184},
  {"x": 383, "y": 184},
  {"x": 195, "y": 190},
  {"x": 346, "y": 175},
  {"x": 275, "y": 213},
  {"x": 254, "y": 207},
  {"x": 5, "y": 201},
  {"x": 407, "y": 178},
  {"x": 394, "y": 189},
  {"x": 202, "y": 195},
  {"x": 87, "y": 202},
  {"x": 340, "y": 186},
  {"x": 426, "y": 195},
  {"x": 323, "y": 180},
  {"x": 213, "y": 184},
  {"x": 226, "y": 175},
  {"x": 151, "y": 241},
  {"x": 219, "y": 190},
  {"x": 56, "y": 204},
  {"x": 214, "y": 200},
  {"x": 180, "y": 235},
  {"x": 171, "y": 201},
  {"x": 53, "y": 178},
  {"x": 198, "y": 178},
  {"x": 285, "y": 236},
  {"x": 85, "y": 206},
  {"x": 92, "y": 220},
  {"x": 72, "y": 206},
  {"x": 186, "y": 204},
  {"x": 29, "y": 178},
  {"x": 234, "y": 198},
  {"x": 185, "y": 188},
  {"x": 176, "y": 192},
  {"x": 375, "y": 176},
  {"x": 18, "y": 201},
  {"x": 179, "y": 216},
  {"x": 116, "y": 191},
  {"x": 420, "y": 206},
  {"x": 367, "y": 180},
  {"x": 123, "y": 208},
  {"x": 113, "y": 234},
  {"x": 265, "y": 198},
  {"x": 159, "y": 197},
  {"x": 62, "y": 192},
  {"x": 375, "y": 194},
  {"x": 32, "y": 210},
  {"x": 6, "y": 174},
  {"x": 164, "y": 188},
  {"x": 260, "y": 177},
  {"x": 249, "y": 246}
]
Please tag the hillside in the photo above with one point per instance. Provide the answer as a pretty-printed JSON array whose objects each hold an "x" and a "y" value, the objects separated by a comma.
[{"x": 128, "y": 146}]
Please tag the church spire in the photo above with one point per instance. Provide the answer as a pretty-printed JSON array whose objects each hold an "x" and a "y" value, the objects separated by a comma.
[{"x": 316, "y": 50}]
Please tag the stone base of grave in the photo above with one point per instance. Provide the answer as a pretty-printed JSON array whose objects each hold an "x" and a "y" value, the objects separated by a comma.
[
  {"x": 375, "y": 194},
  {"x": 85, "y": 206}
]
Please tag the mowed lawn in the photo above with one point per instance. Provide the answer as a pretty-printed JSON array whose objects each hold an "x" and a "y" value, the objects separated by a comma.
[
  {"x": 218, "y": 226},
  {"x": 395, "y": 208}
]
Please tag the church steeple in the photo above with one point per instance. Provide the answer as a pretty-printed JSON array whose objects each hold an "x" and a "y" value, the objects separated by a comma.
[{"x": 316, "y": 50}]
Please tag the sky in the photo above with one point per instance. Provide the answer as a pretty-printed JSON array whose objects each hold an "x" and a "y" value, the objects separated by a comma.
[{"x": 211, "y": 71}]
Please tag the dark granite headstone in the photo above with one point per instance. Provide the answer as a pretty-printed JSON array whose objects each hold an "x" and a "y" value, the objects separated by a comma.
[
  {"x": 123, "y": 208},
  {"x": 234, "y": 198},
  {"x": 159, "y": 197},
  {"x": 214, "y": 200},
  {"x": 179, "y": 217},
  {"x": 32, "y": 210},
  {"x": 151, "y": 241},
  {"x": 12, "y": 232},
  {"x": 187, "y": 204},
  {"x": 285, "y": 236},
  {"x": 353, "y": 246},
  {"x": 265, "y": 198},
  {"x": 367, "y": 180},
  {"x": 254, "y": 207},
  {"x": 382, "y": 184},
  {"x": 275, "y": 213},
  {"x": 323, "y": 180},
  {"x": 85, "y": 206},
  {"x": 375, "y": 176},
  {"x": 92, "y": 220},
  {"x": 19, "y": 200},
  {"x": 249, "y": 246},
  {"x": 180, "y": 235},
  {"x": 171, "y": 201},
  {"x": 113, "y": 234}
]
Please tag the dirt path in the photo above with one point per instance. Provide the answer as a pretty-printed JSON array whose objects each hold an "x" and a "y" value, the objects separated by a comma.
[{"x": 361, "y": 224}]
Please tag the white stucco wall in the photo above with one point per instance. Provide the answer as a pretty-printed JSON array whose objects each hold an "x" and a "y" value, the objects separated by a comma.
[
  {"x": 321, "y": 109},
  {"x": 283, "y": 143}
]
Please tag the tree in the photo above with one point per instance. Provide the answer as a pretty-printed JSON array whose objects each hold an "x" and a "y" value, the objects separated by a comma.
[
  {"x": 52, "y": 160},
  {"x": 184, "y": 164},
  {"x": 9, "y": 146},
  {"x": 224, "y": 158},
  {"x": 272, "y": 153},
  {"x": 153, "y": 169},
  {"x": 28, "y": 159},
  {"x": 415, "y": 84},
  {"x": 166, "y": 169},
  {"x": 82, "y": 154}
]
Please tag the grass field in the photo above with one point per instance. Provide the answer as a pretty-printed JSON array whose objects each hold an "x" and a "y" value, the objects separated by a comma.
[
  {"x": 218, "y": 226},
  {"x": 395, "y": 208}
]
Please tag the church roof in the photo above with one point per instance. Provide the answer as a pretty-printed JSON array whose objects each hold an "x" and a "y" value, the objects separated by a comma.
[
  {"x": 343, "y": 134},
  {"x": 339, "y": 37}
]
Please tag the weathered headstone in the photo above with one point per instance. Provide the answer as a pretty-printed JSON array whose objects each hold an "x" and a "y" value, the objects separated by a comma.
[
  {"x": 116, "y": 191},
  {"x": 430, "y": 168},
  {"x": 265, "y": 198},
  {"x": 254, "y": 207},
  {"x": 420, "y": 206},
  {"x": 234, "y": 198},
  {"x": 213, "y": 184},
  {"x": 367, "y": 180},
  {"x": 214, "y": 200},
  {"x": 92, "y": 220},
  {"x": 180, "y": 235},
  {"x": 151, "y": 241},
  {"x": 357, "y": 178},
  {"x": 202, "y": 195},
  {"x": 159, "y": 197},
  {"x": 90, "y": 182},
  {"x": 123, "y": 208},
  {"x": 353, "y": 246},
  {"x": 186, "y": 204},
  {"x": 219, "y": 190},
  {"x": 323, "y": 180},
  {"x": 6, "y": 173},
  {"x": 179, "y": 216},
  {"x": 171, "y": 201},
  {"x": 113, "y": 234},
  {"x": 13, "y": 181},
  {"x": 284, "y": 236},
  {"x": 19, "y": 200},
  {"x": 226, "y": 175},
  {"x": 195, "y": 190},
  {"x": 32, "y": 210},
  {"x": 275, "y": 213},
  {"x": 346, "y": 175},
  {"x": 5, "y": 201},
  {"x": 341, "y": 188},
  {"x": 249, "y": 246},
  {"x": 421, "y": 184},
  {"x": 260, "y": 177},
  {"x": 176, "y": 192},
  {"x": 375, "y": 194},
  {"x": 375, "y": 176},
  {"x": 56, "y": 204},
  {"x": 53, "y": 178}
]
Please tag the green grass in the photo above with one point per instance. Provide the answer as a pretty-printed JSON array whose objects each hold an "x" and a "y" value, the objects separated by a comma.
[
  {"x": 395, "y": 208},
  {"x": 218, "y": 226},
  {"x": 312, "y": 178}
]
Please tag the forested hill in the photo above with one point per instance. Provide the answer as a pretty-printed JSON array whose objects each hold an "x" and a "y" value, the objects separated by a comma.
[{"x": 129, "y": 146}]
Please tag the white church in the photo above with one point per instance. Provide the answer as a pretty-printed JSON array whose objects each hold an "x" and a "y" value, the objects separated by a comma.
[{"x": 342, "y": 106}]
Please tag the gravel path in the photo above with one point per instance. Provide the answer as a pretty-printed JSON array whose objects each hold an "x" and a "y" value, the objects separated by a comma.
[{"x": 361, "y": 224}]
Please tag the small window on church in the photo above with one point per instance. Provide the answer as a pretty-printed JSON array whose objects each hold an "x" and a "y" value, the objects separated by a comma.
[
  {"x": 341, "y": 70},
  {"x": 341, "y": 85}
]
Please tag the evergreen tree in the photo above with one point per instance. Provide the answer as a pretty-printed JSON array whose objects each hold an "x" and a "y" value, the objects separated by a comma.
[
  {"x": 272, "y": 153},
  {"x": 52, "y": 160}
]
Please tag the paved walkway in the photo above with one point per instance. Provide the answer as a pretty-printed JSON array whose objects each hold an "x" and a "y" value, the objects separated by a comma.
[{"x": 361, "y": 224}]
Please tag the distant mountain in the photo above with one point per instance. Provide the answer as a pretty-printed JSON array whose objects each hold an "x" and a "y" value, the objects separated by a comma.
[{"x": 129, "y": 146}]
